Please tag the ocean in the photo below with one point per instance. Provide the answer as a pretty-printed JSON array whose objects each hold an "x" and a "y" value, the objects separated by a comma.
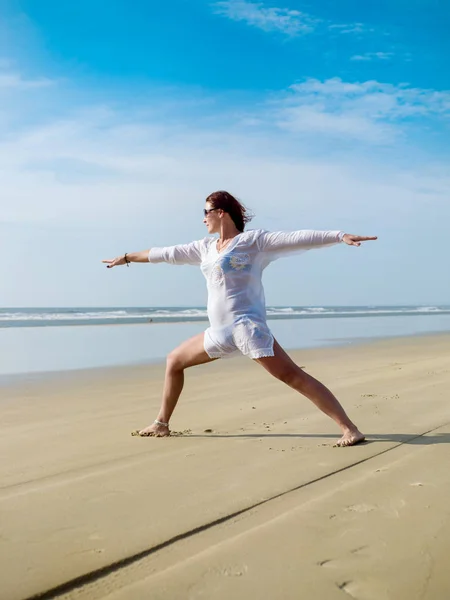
[
  {"x": 42, "y": 340},
  {"x": 47, "y": 317}
]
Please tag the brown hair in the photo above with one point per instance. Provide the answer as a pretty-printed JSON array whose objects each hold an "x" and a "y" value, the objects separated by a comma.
[{"x": 233, "y": 207}]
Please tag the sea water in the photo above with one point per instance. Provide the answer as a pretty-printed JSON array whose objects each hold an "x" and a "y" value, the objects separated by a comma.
[{"x": 39, "y": 340}]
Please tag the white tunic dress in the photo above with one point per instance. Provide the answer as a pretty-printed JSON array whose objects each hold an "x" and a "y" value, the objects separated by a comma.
[{"x": 236, "y": 303}]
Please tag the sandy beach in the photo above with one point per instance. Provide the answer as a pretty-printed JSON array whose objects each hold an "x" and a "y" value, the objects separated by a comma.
[{"x": 251, "y": 500}]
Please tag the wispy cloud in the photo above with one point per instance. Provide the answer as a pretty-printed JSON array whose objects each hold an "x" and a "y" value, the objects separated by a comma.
[
  {"x": 370, "y": 111},
  {"x": 16, "y": 81},
  {"x": 12, "y": 79},
  {"x": 373, "y": 56},
  {"x": 350, "y": 28},
  {"x": 282, "y": 20},
  {"x": 289, "y": 22}
]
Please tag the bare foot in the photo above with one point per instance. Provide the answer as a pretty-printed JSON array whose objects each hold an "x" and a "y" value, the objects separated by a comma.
[
  {"x": 350, "y": 438},
  {"x": 155, "y": 430}
]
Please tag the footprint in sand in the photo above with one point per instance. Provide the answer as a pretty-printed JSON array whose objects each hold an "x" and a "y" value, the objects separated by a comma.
[
  {"x": 360, "y": 508},
  {"x": 325, "y": 563},
  {"x": 343, "y": 561},
  {"x": 359, "y": 549},
  {"x": 90, "y": 551},
  {"x": 349, "y": 587},
  {"x": 234, "y": 571},
  {"x": 361, "y": 591}
]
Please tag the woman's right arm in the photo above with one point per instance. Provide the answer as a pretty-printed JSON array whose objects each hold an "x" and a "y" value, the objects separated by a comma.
[
  {"x": 127, "y": 258},
  {"x": 182, "y": 254}
]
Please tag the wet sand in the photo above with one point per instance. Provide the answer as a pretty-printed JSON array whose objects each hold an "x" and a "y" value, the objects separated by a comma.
[{"x": 260, "y": 506}]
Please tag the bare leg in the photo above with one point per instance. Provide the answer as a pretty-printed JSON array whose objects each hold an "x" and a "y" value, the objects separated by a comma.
[
  {"x": 283, "y": 367},
  {"x": 188, "y": 354}
]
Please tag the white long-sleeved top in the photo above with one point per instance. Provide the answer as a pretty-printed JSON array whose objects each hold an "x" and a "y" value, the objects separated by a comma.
[{"x": 234, "y": 275}]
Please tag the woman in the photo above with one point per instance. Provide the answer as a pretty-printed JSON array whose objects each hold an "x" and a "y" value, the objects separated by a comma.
[{"x": 232, "y": 266}]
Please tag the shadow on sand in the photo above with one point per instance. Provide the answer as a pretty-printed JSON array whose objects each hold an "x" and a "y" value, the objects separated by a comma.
[{"x": 426, "y": 438}]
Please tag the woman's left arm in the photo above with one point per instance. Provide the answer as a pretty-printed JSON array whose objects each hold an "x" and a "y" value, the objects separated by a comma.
[{"x": 305, "y": 239}]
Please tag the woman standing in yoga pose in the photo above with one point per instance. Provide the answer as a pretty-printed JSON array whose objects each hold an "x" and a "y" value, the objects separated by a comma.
[{"x": 233, "y": 266}]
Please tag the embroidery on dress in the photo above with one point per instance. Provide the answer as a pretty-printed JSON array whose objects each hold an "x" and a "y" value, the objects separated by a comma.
[
  {"x": 217, "y": 275},
  {"x": 236, "y": 262}
]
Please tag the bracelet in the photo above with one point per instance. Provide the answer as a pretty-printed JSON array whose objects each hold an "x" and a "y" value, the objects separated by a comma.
[
  {"x": 126, "y": 259},
  {"x": 160, "y": 423}
]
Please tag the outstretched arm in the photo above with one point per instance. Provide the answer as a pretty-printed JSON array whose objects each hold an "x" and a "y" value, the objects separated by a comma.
[
  {"x": 274, "y": 245},
  {"x": 125, "y": 259},
  {"x": 182, "y": 254},
  {"x": 280, "y": 242}
]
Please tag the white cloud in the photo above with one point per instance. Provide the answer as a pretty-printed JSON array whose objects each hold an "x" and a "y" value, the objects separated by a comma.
[
  {"x": 373, "y": 56},
  {"x": 15, "y": 81},
  {"x": 370, "y": 111},
  {"x": 344, "y": 125},
  {"x": 350, "y": 28},
  {"x": 283, "y": 20},
  {"x": 12, "y": 79}
]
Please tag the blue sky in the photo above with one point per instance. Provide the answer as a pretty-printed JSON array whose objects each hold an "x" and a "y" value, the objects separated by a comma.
[{"x": 118, "y": 118}]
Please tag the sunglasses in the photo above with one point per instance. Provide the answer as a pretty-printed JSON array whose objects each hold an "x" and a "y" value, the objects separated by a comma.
[{"x": 207, "y": 211}]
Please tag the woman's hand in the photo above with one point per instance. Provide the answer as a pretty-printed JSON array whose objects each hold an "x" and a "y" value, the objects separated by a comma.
[
  {"x": 355, "y": 240},
  {"x": 115, "y": 262},
  {"x": 126, "y": 259}
]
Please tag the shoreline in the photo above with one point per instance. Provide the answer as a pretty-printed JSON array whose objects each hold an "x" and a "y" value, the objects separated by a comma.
[
  {"x": 14, "y": 380},
  {"x": 204, "y": 319}
]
